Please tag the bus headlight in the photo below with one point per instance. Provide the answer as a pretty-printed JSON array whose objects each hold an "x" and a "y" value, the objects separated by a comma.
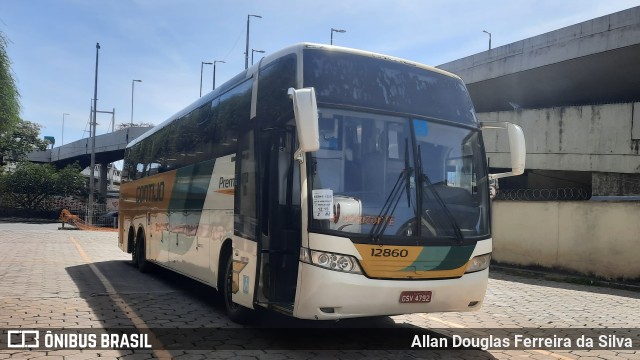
[
  {"x": 479, "y": 263},
  {"x": 331, "y": 261}
]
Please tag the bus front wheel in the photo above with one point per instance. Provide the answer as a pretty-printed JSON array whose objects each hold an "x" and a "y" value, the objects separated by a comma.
[{"x": 237, "y": 313}]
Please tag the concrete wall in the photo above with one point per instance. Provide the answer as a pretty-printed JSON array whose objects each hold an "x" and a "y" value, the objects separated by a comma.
[
  {"x": 594, "y": 238},
  {"x": 614, "y": 184},
  {"x": 576, "y": 138}
]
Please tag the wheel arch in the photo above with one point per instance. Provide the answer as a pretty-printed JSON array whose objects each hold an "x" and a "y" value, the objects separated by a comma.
[
  {"x": 140, "y": 233},
  {"x": 225, "y": 252},
  {"x": 131, "y": 239}
]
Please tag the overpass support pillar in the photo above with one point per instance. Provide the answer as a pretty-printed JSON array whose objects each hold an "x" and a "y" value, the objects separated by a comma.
[{"x": 103, "y": 180}]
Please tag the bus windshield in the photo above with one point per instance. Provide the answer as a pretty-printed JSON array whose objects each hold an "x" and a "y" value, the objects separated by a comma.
[
  {"x": 388, "y": 85},
  {"x": 394, "y": 180}
]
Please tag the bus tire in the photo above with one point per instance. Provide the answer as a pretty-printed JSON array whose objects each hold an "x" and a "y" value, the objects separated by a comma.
[
  {"x": 236, "y": 313},
  {"x": 133, "y": 245},
  {"x": 142, "y": 263}
]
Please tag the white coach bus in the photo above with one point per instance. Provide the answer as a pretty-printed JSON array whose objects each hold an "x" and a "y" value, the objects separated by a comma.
[{"x": 323, "y": 182}]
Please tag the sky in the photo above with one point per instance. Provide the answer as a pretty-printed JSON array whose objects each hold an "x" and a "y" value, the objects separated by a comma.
[{"x": 52, "y": 45}]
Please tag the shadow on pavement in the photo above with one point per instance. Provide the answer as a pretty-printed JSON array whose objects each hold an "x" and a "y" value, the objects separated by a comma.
[
  {"x": 187, "y": 315},
  {"x": 558, "y": 281}
]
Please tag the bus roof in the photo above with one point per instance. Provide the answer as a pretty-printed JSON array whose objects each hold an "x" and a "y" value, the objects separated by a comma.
[{"x": 293, "y": 49}]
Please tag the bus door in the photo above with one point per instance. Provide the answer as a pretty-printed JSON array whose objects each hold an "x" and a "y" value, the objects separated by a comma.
[{"x": 280, "y": 218}]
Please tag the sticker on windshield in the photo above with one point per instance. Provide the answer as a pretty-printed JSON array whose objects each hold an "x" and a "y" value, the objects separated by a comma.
[
  {"x": 421, "y": 127},
  {"x": 322, "y": 204}
]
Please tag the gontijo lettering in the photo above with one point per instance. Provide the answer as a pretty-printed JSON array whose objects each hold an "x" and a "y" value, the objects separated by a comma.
[{"x": 150, "y": 192}]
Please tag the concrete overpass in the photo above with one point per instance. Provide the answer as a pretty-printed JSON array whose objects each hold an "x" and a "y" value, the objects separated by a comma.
[
  {"x": 576, "y": 93},
  {"x": 109, "y": 148},
  {"x": 588, "y": 63}
]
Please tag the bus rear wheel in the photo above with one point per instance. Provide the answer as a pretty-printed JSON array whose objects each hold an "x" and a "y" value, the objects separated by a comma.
[
  {"x": 141, "y": 255},
  {"x": 237, "y": 313},
  {"x": 133, "y": 246}
]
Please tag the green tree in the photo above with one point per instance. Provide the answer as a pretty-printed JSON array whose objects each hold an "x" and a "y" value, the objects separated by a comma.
[
  {"x": 20, "y": 141},
  {"x": 9, "y": 96},
  {"x": 69, "y": 181},
  {"x": 31, "y": 185},
  {"x": 17, "y": 137}
]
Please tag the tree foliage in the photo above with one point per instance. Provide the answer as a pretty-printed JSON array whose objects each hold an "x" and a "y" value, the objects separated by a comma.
[
  {"x": 17, "y": 137},
  {"x": 30, "y": 185},
  {"x": 9, "y": 96},
  {"x": 23, "y": 139}
]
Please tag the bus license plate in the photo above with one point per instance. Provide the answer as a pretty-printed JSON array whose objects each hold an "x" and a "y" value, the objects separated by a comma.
[{"x": 410, "y": 297}]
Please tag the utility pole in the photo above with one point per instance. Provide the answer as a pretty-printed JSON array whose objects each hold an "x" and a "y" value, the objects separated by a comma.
[
  {"x": 246, "y": 52},
  {"x": 253, "y": 51},
  {"x": 93, "y": 141},
  {"x": 133, "y": 83},
  {"x": 202, "y": 63},
  {"x": 62, "y": 140},
  {"x": 488, "y": 33},
  {"x": 338, "y": 31},
  {"x": 214, "y": 71}
]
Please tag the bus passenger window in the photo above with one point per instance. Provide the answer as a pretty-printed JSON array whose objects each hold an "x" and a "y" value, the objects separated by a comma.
[{"x": 140, "y": 170}]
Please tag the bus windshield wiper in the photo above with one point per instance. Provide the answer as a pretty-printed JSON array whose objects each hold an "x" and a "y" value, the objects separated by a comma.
[
  {"x": 429, "y": 185},
  {"x": 391, "y": 203}
]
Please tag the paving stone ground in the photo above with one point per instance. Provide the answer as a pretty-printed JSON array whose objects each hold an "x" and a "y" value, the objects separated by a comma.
[{"x": 48, "y": 281}]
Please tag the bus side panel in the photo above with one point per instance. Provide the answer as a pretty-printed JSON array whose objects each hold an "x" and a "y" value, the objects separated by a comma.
[
  {"x": 144, "y": 204},
  {"x": 157, "y": 249},
  {"x": 245, "y": 257},
  {"x": 215, "y": 224}
]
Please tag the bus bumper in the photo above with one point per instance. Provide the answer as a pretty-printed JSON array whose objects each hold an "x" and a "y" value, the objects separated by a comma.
[{"x": 324, "y": 294}]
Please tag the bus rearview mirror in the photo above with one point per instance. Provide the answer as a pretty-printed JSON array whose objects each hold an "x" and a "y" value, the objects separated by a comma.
[
  {"x": 305, "y": 109},
  {"x": 516, "y": 147}
]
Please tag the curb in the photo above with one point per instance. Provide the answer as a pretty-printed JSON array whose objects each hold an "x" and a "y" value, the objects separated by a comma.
[
  {"x": 67, "y": 228},
  {"x": 28, "y": 220}
]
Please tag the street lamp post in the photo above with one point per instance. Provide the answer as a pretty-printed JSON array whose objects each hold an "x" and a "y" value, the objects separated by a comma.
[
  {"x": 488, "y": 33},
  {"x": 133, "y": 82},
  {"x": 338, "y": 31},
  {"x": 246, "y": 51},
  {"x": 62, "y": 137},
  {"x": 214, "y": 71},
  {"x": 92, "y": 165},
  {"x": 255, "y": 51},
  {"x": 201, "y": 65}
]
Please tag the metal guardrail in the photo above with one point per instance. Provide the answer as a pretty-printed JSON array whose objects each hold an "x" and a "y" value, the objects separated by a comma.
[
  {"x": 69, "y": 218},
  {"x": 101, "y": 217}
]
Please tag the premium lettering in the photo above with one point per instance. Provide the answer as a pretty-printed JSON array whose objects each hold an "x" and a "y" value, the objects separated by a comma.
[{"x": 226, "y": 183}]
